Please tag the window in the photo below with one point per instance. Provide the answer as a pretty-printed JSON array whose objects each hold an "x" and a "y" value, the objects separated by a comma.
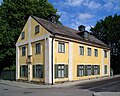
[
  {"x": 89, "y": 51},
  {"x": 23, "y": 35},
  {"x": 23, "y": 51},
  {"x": 96, "y": 69},
  {"x": 96, "y": 52},
  {"x": 38, "y": 48},
  {"x": 23, "y": 70},
  {"x": 61, "y": 71},
  {"x": 36, "y": 29},
  {"x": 81, "y": 48},
  {"x": 105, "y": 53},
  {"x": 89, "y": 71},
  {"x": 105, "y": 68},
  {"x": 80, "y": 70},
  {"x": 61, "y": 47},
  {"x": 37, "y": 71}
]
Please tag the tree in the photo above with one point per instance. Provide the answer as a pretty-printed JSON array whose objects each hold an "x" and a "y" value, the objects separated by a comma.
[
  {"x": 108, "y": 31},
  {"x": 13, "y": 16}
]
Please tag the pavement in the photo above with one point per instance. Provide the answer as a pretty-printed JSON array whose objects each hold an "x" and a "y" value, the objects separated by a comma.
[
  {"x": 106, "y": 94},
  {"x": 65, "y": 84}
]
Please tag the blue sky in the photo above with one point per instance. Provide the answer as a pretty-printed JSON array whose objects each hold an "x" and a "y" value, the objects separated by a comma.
[{"x": 87, "y": 12}]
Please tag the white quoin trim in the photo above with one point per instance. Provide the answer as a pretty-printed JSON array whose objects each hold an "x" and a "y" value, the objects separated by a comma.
[
  {"x": 70, "y": 61},
  {"x": 102, "y": 67},
  {"x": 17, "y": 64},
  {"x": 109, "y": 63},
  {"x": 29, "y": 72},
  {"x": 48, "y": 71}
]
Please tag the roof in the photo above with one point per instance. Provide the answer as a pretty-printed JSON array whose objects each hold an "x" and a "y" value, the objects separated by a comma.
[{"x": 67, "y": 32}]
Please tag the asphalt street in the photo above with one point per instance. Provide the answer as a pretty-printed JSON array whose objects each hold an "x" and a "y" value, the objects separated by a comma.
[{"x": 86, "y": 89}]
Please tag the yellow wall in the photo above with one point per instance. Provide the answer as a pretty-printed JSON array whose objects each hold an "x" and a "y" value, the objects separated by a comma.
[
  {"x": 23, "y": 59},
  {"x": 78, "y": 59},
  {"x": 42, "y": 30},
  {"x": 38, "y": 58},
  {"x": 61, "y": 58},
  {"x": 25, "y": 29}
]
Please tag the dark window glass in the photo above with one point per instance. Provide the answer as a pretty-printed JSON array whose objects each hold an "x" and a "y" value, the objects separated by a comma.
[
  {"x": 105, "y": 53},
  {"x": 61, "y": 47},
  {"x": 96, "y": 52},
  {"x": 38, "y": 71},
  {"x": 36, "y": 29},
  {"x": 23, "y": 70},
  {"x": 38, "y": 48},
  {"x": 81, "y": 48},
  {"x": 23, "y": 35},
  {"x": 80, "y": 70},
  {"x": 89, "y": 51},
  {"x": 23, "y": 51}
]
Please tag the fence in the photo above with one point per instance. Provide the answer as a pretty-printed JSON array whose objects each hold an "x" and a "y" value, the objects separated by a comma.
[{"x": 8, "y": 75}]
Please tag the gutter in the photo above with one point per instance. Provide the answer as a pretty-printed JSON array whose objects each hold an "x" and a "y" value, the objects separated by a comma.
[{"x": 52, "y": 57}]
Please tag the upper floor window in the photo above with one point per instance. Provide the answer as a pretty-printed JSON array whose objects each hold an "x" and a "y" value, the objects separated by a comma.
[
  {"x": 23, "y": 35},
  {"x": 81, "y": 48},
  {"x": 105, "y": 53},
  {"x": 89, "y": 51},
  {"x": 23, "y": 50},
  {"x": 36, "y": 29},
  {"x": 61, "y": 47},
  {"x": 96, "y": 52},
  {"x": 38, "y": 48}
]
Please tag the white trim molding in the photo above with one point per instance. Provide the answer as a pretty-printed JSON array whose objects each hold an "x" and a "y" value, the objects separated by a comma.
[
  {"x": 17, "y": 64},
  {"x": 48, "y": 65},
  {"x": 102, "y": 67},
  {"x": 70, "y": 67}
]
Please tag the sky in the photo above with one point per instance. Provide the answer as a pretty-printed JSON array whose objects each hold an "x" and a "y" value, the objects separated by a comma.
[{"x": 84, "y": 12}]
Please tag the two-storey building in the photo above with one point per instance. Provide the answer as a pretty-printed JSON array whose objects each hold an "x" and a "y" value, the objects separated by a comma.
[{"x": 49, "y": 53}]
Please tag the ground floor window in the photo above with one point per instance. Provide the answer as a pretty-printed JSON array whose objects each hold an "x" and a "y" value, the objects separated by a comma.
[
  {"x": 96, "y": 69},
  {"x": 89, "y": 70},
  {"x": 80, "y": 70},
  {"x": 38, "y": 71},
  {"x": 23, "y": 70},
  {"x": 61, "y": 71},
  {"x": 105, "y": 69}
]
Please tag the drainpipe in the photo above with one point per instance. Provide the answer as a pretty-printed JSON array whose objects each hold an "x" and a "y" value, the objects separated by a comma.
[{"x": 52, "y": 56}]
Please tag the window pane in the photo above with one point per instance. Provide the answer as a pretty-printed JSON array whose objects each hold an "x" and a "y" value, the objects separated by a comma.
[
  {"x": 37, "y": 29},
  {"x": 37, "y": 71},
  {"x": 96, "y": 52},
  {"x": 89, "y": 51},
  {"x": 61, "y": 47},
  {"x": 38, "y": 48},
  {"x": 23, "y": 35},
  {"x": 81, "y": 50},
  {"x": 23, "y": 51}
]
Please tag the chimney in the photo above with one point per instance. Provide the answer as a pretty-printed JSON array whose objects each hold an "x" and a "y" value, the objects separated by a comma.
[
  {"x": 52, "y": 18},
  {"x": 82, "y": 32},
  {"x": 81, "y": 28}
]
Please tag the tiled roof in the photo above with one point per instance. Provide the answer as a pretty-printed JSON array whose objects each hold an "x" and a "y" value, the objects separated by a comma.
[{"x": 67, "y": 32}]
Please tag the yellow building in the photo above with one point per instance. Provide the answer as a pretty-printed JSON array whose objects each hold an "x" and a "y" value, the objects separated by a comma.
[{"x": 47, "y": 52}]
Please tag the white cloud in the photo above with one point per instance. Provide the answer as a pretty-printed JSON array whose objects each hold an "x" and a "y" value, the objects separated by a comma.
[
  {"x": 108, "y": 6},
  {"x": 111, "y": 5},
  {"x": 73, "y": 2},
  {"x": 84, "y": 16},
  {"x": 92, "y": 4}
]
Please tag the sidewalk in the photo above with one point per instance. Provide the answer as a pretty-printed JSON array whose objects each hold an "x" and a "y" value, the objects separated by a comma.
[{"x": 65, "y": 84}]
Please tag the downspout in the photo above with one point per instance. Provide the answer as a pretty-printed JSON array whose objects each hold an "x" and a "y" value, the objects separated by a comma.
[{"x": 52, "y": 57}]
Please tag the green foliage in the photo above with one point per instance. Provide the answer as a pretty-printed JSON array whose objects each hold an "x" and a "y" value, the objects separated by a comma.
[
  {"x": 108, "y": 30},
  {"x": 13, "y": 16}
]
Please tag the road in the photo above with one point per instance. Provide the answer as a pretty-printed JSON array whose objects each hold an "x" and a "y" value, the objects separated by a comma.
[{"x": 87, "y": 89}]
